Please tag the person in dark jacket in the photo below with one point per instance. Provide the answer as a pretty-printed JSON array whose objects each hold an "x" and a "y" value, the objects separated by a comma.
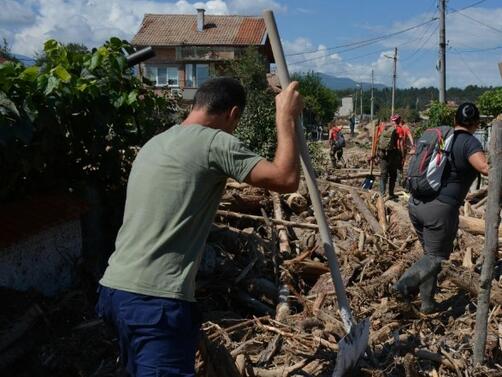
[{"x": 436, "y": 219}]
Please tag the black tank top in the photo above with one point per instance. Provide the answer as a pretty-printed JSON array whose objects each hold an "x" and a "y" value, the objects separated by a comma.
[{"x": 459, "y": 174}]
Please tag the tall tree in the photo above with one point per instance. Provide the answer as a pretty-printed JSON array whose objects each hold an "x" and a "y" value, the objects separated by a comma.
[
  {"x": 321, "y": 102},
  {"x": 6, "y": 53}
]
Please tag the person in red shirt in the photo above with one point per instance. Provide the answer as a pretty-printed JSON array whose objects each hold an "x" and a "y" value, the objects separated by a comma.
[
  {"x": 336, "y": 144},
  {"x": 389, "y": 151},
  {"x": 408, "y": 145}
]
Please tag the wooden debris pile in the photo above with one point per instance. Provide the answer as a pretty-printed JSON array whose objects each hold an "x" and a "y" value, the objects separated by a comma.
[{"x": 270, "y": 303}]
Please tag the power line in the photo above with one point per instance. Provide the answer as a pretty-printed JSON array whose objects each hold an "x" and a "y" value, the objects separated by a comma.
[
  {"x": 422, "y": 46},
  {"x": 327, "y": 56},
  {"x": 475, "y": 20},
  {"x": 467, "y": 7},
  {"x": 468, "y": 66},
  {"x": 369, "y": 41},
  {"x": 472, "y": 49},
  {"x": 380, "y": 50}
]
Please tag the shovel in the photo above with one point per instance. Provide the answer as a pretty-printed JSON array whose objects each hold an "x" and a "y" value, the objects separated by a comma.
[
  {"x": 354, "y": 344},
  {"x": 370, "y": 178}
]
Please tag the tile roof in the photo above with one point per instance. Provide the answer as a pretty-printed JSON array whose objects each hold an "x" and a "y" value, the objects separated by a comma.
[{"x": 180, "y": 29}]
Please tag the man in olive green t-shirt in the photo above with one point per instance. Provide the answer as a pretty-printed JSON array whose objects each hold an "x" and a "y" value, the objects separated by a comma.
[{"x": 173, "y": 192}]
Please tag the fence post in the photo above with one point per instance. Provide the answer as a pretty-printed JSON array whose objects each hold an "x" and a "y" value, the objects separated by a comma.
[{"x": 492, "y": 221}]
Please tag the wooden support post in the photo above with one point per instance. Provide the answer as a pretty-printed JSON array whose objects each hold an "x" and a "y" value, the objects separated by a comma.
[
  {"x": 491, "y": 242},
  {"x": 363, "y": 209}
]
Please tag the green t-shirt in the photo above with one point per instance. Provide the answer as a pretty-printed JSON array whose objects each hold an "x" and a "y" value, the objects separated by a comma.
[{"x": 174, "y": 189}]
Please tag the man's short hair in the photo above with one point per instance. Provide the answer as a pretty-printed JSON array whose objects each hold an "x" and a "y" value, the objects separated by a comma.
[{"x": 219, "y": 95}]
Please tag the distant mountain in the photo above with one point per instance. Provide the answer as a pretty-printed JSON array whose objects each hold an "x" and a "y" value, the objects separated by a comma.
[
  {"x": 26, "y": 60},
  {"x": 341, "y": 83}
]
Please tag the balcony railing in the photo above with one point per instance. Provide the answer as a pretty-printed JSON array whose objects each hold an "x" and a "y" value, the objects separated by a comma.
[{"x": 207, "y": 53}]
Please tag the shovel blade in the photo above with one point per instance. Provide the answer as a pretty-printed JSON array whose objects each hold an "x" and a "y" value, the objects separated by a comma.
[
  {"x": 352, "y": 347},
  {"x": 368, "y": 182}
]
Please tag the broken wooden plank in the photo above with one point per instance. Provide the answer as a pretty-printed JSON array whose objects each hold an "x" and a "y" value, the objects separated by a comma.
[
  {"x": 474, "y": 225},
  {"x": 468, "y": 281},
  {"x": 363, "y": 209},
  {"x": 281, "y": 230},
  {"x": 238, "y": 215},
  {"x": 382, "y": 219}
]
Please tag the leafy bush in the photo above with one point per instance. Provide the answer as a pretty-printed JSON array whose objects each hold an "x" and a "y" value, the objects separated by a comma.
[
  {"x": 81, "y": 116},
  {"x": 490, "y": 102},
  {"x": 320, "y": 159},
  {"x": 257, "y": 126},
  {"x": 440, "y": 115}
]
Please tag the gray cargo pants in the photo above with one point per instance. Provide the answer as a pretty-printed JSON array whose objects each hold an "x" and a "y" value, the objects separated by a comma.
[
  {"x": 436, "y": 225},
  {"x": 390, "y": 162}
]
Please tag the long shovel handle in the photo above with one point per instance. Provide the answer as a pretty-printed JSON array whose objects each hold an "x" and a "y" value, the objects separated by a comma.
[{"x": 315, "y": 196}]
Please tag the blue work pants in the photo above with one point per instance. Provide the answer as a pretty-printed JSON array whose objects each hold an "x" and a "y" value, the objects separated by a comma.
[{"x": 158, "y": 337}]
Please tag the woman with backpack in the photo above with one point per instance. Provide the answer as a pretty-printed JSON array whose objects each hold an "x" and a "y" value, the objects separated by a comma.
[{"x": 446, "y": 163}]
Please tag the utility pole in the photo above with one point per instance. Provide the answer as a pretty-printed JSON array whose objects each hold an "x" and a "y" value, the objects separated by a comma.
[
  {"x": 442, "y": 51},
  {"x": 361, "y": 117},
  {"x": 394, "y": 77},
  {"x": 372, "y": 98}
]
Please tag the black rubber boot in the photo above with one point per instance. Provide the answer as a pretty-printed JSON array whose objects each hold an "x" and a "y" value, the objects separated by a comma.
[
  {"x": 427, "y": 291},
  {"x": 392, "y": 186},
  {"x": 426, "y": 267}
]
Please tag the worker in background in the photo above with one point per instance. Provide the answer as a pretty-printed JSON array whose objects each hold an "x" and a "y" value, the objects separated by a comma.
[
  {"x": 319, "y": 132},
  {"x": 336, "y": 144},
  {"x": 436, "y": 218},
  {"x": 352, "y": 124},
  {"x": 174, "y": 188},
  {"x": 389, "y": 152}
]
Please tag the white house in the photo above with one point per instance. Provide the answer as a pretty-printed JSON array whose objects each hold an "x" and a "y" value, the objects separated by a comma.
[{"x": 347, "y": 107}]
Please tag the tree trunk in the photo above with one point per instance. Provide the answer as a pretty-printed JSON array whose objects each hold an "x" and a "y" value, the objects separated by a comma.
[{"x": 491, "y": 243}]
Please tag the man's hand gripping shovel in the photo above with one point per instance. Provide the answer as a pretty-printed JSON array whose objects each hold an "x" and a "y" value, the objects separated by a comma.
[{"x": 354, "y": 344}]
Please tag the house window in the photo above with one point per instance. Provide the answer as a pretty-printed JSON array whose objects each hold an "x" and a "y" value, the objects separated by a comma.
[
  {"x": 162, "y": 74},
  {"x": 196, "y": 74}
]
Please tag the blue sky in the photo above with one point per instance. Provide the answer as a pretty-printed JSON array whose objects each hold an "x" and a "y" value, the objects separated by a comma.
[{"x": 309, "y": 28}]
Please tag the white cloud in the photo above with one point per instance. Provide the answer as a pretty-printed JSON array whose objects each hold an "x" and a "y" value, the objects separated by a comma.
[
  {"x": 91, "y": 22},
  {"x": 254, "y": 6},
  {"x": 424, "y": 82},
  {"x": 417, "y": 52},
  {"x": 14, "y": 13}
]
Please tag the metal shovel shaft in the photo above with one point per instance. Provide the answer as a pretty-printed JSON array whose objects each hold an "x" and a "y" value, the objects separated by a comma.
[{"x": 329, "y": 250}]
